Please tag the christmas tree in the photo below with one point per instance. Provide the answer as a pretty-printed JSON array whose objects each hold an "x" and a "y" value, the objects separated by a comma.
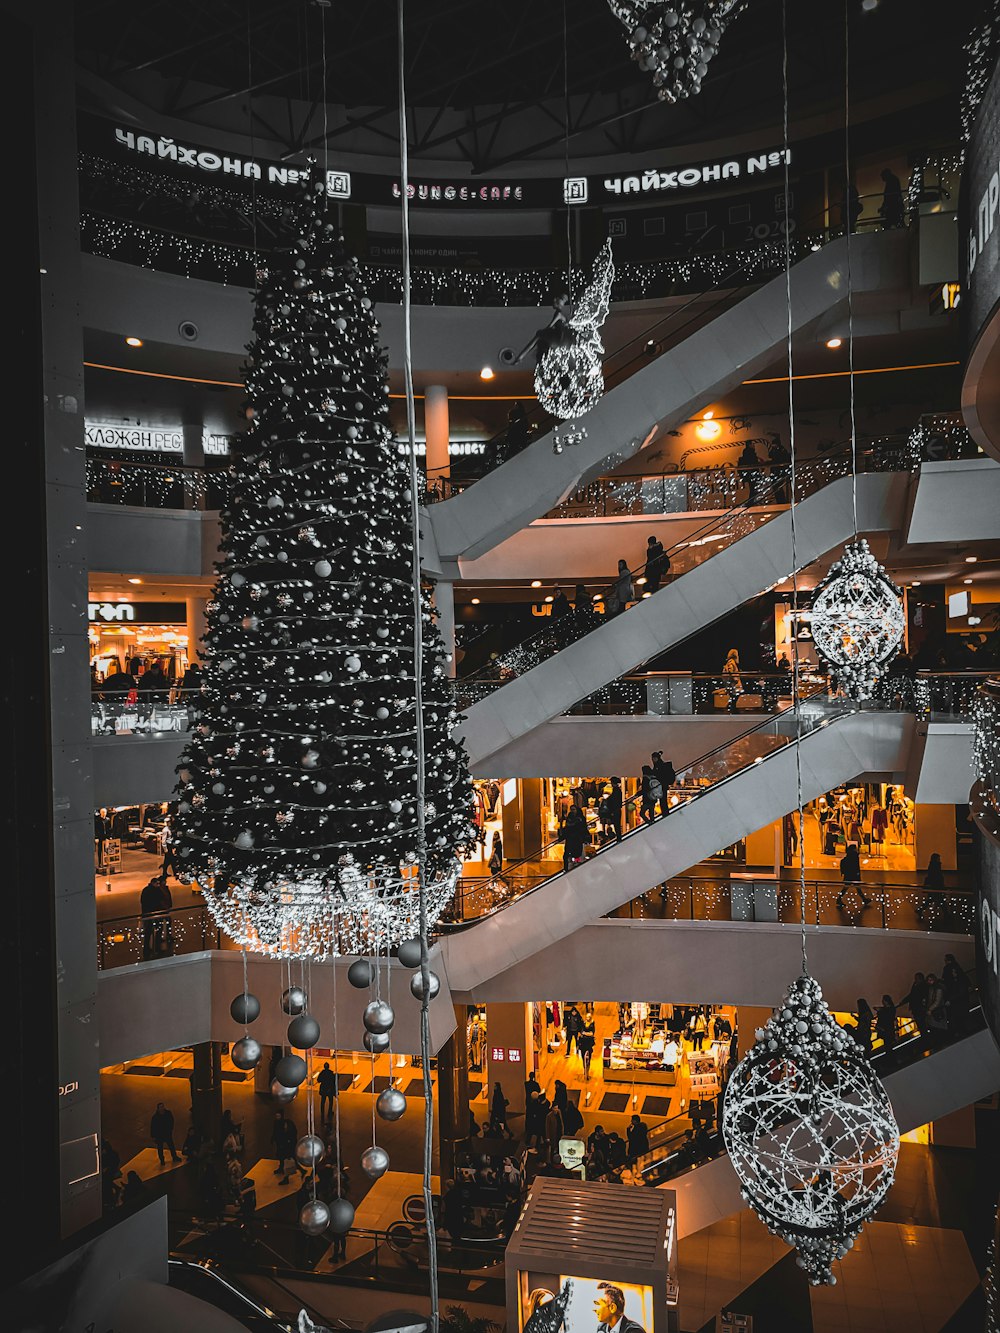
[{"x": 297, "y": 791}]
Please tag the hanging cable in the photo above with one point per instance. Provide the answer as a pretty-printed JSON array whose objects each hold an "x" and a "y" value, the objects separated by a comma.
[
  {"x": 793, "y": 622},
  {"x": 569, "y": 221},
  {"x": 253, "y": 156},
  {"x": 849, "y": 200},
  {"x": 418, "y": 649}
]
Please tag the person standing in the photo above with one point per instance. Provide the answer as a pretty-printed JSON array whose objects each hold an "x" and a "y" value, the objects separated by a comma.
[
  {"x": 885, "y": 1024},
  {"x": 663, "y": 770},
  {"x": 956, "y": 989},
  {"x": 572, "y": 1023},
  {"x": 657, "y": 564},
  {"x": 284, "y": 1136},
  {"x": 574, "y": 837},
  {"x": 917, "y": 1000},
  {"x": 892, "y": 212},
  {"x": 622, "y": 591},
  {"x": 699, "y": 1027},
  {"x": 560, "y": 604},
  {"x": 933, "y": 886},
  {"x": 611, "y": 811},
  {"x": 652, "y": 794},
  {"x": 161, "y": 1131},
  {"x": 553, "y": 1131},
  {"x": 638, "y": 1140},
  {"x": 535, "y": 1112},
  {"x": 498, "y": 1113},
  {"x": 731, "y": 680},
  {"x": 327, "y": 1084},
  {"x": 585, "y": 1042},
  {"x": 850, "y": 873}
]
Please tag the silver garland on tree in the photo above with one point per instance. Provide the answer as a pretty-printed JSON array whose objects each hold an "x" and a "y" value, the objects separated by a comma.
[
  {"x": 857, "y": 620},
  {"x": 569, "y": 378},
  {"x": 676, "y": 41},
  {"x": 810, "y": 1131}
]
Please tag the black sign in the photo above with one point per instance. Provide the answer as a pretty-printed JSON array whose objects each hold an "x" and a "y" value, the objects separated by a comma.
[
  {"x": 137, "y": 613},
  {"x": 980, "y": 214}
]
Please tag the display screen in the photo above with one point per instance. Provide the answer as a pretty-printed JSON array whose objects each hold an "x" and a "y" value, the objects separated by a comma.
[{"x": 593, "y": 1305}]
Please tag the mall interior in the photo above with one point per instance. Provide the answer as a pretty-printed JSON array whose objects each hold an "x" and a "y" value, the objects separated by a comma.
[{"x": 687, "y": 433}]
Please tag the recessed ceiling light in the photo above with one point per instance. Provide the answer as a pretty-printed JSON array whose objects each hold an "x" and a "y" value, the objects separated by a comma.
[
  {"x": 707, "y": 416},
  {"x": 135, "y": 580},
  {"x": 487, "y": 373},
  {"x": 536, "y": 583},
  {"x": 549, "y": 598},
  {"x": 966, "y": 580},
  {"x": 133, "y": 342},
  {"x": 834, "y": 343},
  {"x": 971, "y": 559},
  {"x": 475, "y": 601},
  {"x": 915, "y": 583}
]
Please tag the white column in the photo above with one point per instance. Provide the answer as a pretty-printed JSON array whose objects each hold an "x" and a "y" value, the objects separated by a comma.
[
  {"x": 444, "y": 603},
  {"x": 436, "y": 431}
]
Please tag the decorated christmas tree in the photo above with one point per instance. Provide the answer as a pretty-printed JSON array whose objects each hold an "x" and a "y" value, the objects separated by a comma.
[{"x": 297, "y": 791}]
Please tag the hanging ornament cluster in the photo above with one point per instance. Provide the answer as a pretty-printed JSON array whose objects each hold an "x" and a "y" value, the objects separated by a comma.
[
  {"x": 810, "y": 1131},
  {"x": 676, "y": 41},
  {"x": 297, "y": 794},
  {"x": 569, "y": 377},
  {"x": 857, "y": 620}
]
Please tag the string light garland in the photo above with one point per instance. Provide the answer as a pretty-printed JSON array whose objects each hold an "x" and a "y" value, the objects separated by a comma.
[
  {"x": 676, "y": 41},
  {"x": 296, "y": 799},
  {"x": 981, "y": 50},
  {"x": 986, "y": 741},
  {"x": 858, "y": 620}
]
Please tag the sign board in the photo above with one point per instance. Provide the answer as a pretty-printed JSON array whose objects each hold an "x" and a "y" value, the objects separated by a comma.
[
  {"x": 137, "y": 613},
  {"x": 979, "y": 243},
  {"x": 988, "y": 917}
]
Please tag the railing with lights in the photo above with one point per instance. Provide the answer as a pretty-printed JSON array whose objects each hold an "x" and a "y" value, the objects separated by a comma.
[
  {"x": 113, "y": 481},
  {"x": 987, "y": 749},
  {"x": 140, "y": 938},
  {"x": 143, "y": 712}
]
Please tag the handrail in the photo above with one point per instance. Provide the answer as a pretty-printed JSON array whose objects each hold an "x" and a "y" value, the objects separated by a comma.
[{"x": 209, "y": 1269}]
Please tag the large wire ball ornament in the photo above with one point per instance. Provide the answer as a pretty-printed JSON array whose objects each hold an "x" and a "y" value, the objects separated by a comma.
[
  {"x": 857, "y": 620},
  {"x": 569, "y": 379},
  {"x": 675, "y": 40},
  {"x": 810, "y": 1131},
  {"x": 355, "y": 912}
]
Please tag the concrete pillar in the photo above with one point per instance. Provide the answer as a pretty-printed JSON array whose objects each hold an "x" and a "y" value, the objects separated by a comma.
[
  {"x": 508, "y": 1052},
  {"x": 522, "y": 820},
  {"x": 193, "y": 435},
  {"x": 444, "y": 604},
  {"x": 206, "y": 1090},
  {"x": 935, "y": 830},
  {"x": 437, "y": 432},
  {"x": 195, "y": 627},
  {"x": 453, "y": 1093},
  {"x": 764, "y": 847},
  {"x": 957, "y": 1130}
]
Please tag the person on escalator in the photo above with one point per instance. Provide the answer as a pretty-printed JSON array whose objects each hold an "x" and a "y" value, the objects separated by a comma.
[
  {"x": 496, "y": 854},
  {"x": 657, "y": 564},
  {"x": 663, "y": 769},
  {"x": 622, "y": 591},
  {"x": 574, "y": 837},
  {"x": 610, "y": 812},
  {"x": 652, "y": 794}
]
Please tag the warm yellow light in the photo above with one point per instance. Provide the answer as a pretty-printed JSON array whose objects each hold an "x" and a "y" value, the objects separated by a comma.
[
  {"x": 133, "y": 342},
  {"x": 834, "y": 343},
  {"x": 536, "y": 583},
  {"x": 475, "y": 601},
  {"x": 966, "y": 580},
  {"x": 550, "y": 598},
  {"x": 971, "y": 559},
  {"x": 487, "y": 373},
  {"x": 915, "y": 583},
  {"x": 708, "y": 429},
  {"x": 135, "y": 580}
]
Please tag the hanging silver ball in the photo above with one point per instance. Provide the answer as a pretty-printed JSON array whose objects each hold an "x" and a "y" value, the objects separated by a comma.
[
  {"x": 417, "y": 985},
  {"x": 245, "y": 1008},
  {"x": 314, "y": 1217},
  {"x": 309, "y": 1150},
  {"x": 293, "y": 1000},
  {"x": 290, "y": 1071},
  {"x": 341, "y": 1215},
  {"x": 303, "y": 1032},
  {"x": 374, "y": 1162},
  {"x": 408, "y": 953},
  {"x": 391, "y": 1104},
  {"x": 378, "y": 1016},
  {"x": 282, "y": 1094},
  {"x": 245, "y": 1053},
  {"x": 361, "y": 973},
  {"x": 376, "y": 1042}
]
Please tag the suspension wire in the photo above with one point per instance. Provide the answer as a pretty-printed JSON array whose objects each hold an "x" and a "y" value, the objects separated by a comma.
[
  {"x": 569, "y": 220},
  {"x": 326, "y": 141},
  {"x": 336, "y": 1070},
  {"x": 418, "y": 650},
  {"x": 850, "y": 284},
  {"x": 253, "y": 155},
  {"x": 793, "y": 623}
]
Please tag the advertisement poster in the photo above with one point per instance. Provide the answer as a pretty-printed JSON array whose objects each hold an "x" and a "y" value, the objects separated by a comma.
[{"x": 590, "y": 1305}]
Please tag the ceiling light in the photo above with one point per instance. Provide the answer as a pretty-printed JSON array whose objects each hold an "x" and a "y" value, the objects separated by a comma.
[
  {"x": 133, "y": 342},
  {"x": 475, "y": 601},
  {"x": 135, "y": 580},
  {"x": 707, "y": 429},
  {"x": 549, "y": 598},
  {"x": 487, "y": 373},
  {"x": 536, "y": 583},
  {"x": 869, "y": 5},
  {"x": 915, "y": 583},
  {"x": 971, "y": 559},
  {"x": 966, "y": 580},
  {"x": 707, "y": 416},
  {"x": 834, "y": 343}
]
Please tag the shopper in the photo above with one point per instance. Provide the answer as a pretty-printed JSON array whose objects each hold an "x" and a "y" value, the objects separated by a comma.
[
  {"x": 780, "y": 469},
  {"x": 956, "y": 989},
  {"x": 663, "y": 769},
  {"x": 937, "y": 1005},
  {"x": 453, "y": 1211},
  {"x": 699, "y": 1027},
  {"x": 584, "y": 615},
  {"x": 230, "y": 1129},
  {"x": 328, "y": 1089},
  {"x": 554, "y": 1130},
  {"x": 536, "y": 1110},
  {"x": 134, "y": 1190},
  {"x": 731, "y": 680},
  {"x": 560, "y": 603},
  {"x": 155, "y": 904},
  {"x": 933, "y": 887},
  {"x": 885, "y": 1024},
  {"x": 161, "y": 1131},
  {"x": 864, "y": 1026},
  {"x": 850, "y": 873},
  {"x": 284, "y": 1136},
  {"x": 610, "y": 812},
  {"x": 622, "y": 591},
  {"x": 638, "y": 1140},
  {"x": 574, "y": 836},
  {"x": 496, "y": 854},
  {"x": 916, "y": 998},
  {"x": 585, "y": 1042},
  {"x": 532, "y": 1088},
  {"x": 891, "y": 212},
  {"x": 573, "y": 1025},
  {"x": 498, "y": 1114},
  {"x": 652, "y": 794},
  {"x": 657, "y": 564}
]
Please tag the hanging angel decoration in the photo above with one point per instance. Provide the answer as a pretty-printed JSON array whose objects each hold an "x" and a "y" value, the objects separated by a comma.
[{"x": 569, "y": 374}]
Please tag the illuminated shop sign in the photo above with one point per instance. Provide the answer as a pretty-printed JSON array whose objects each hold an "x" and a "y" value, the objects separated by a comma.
[
  {"x": 137, "y": 613},
  {"x": 438, "y": 192},
  {"x": 148, "y": 439},
  {"x": 685, "y": 178},
  {"x": 979, "y": 212}
]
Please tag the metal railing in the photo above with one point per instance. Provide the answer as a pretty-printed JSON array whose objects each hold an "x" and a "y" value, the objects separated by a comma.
[
  {"x": 139, "y": 939},
  {"x": 149, "y": 485},
  {"x": 153, "y": 711}
]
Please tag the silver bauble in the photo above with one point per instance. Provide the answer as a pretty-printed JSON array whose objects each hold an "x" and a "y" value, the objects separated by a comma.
[
  {"x": 293, "y": 1000},
  {"x": 391, "y": 1104},
  {"x": 408, "y": 953},
  {"x": 374, "y": 1162},
  {"x": 309, "y": 1150},
  {"x": 290, "y": 1071},
  {"x": 361, "y": 973},
  {"x": 245, "y": 1008},
  {"x": 245, "y": 1053},
  {"x": 282, "y": 1094},
  {"x": 303, "y": 1032},
  {"x": 341, "y": 1215},
  {"x": 376, "y": 1042},
  {"x": 314, "y": 1217},
  {"x": 378, "y": 1016},
  {"x": 417, "y": 985}
]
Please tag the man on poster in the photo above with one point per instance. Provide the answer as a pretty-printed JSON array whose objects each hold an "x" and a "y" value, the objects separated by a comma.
[{"x": 610, "y": 1310}]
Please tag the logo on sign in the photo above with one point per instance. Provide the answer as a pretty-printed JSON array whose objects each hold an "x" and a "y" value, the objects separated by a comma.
[
  {"x": 574, "y": 190},
  {"x": 338, "y": 184},
  {"x": 110, "y": 611},
  {"x": 513, "y": 1055},
  {"x": 498, "y": 1053},
  {"x": 66, "y": 1088}
]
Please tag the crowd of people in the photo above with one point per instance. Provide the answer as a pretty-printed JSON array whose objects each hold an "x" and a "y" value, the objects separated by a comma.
[{"x": 940, "y": 1006}]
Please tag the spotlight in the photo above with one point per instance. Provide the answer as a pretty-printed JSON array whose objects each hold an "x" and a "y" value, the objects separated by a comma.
[
  {"x": 966, "y": 580},
  {"x": 550, "y": 598},
  {"x": 133, "y": 580},
  {"x": 869, "y": 5},
  {"x": 133, "y": 342},
  {"x": 487, "y": 373},
  {"x": 971, "y": 559},
  {"x": 475, "y": 601},
  {"x": 536, "y": 583},
  {"x": 834, "y": 343},
  {"x": 915, "y": 583}
]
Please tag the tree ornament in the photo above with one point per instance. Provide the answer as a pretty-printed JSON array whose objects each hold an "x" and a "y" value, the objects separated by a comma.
[
  {"x": 282, "y": 1094},
  {"x": 857, "y": 620},
  {"x": 245, "y": 1008},
  {"x": 310, "y": 1150},
  {"x": 303, "y": 1032},
  {"x": 379, "y": 1016},
  {"x": 293, "y": 1000},
  {"x": 417, "y": 985},
  {"x": 376, "y": 1042},
  {"x": 569, "y": 377},
  {"x": 374, "y": 1162},
  {"x": 676, "y": 41},
  {"x": 341, "y": 1215},
  {"x": 810, "y": 1131},
  {"x": 245, "y": 1053},
  {"x": 290, "y": 1071},
  {"x": 408, "y": 953},
  {"x": 314, "y": 1217},
  {"x": 361, "y": 973},
  {"x": 293, "y": 859},
  {"x": 390, "y": 1104}
]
